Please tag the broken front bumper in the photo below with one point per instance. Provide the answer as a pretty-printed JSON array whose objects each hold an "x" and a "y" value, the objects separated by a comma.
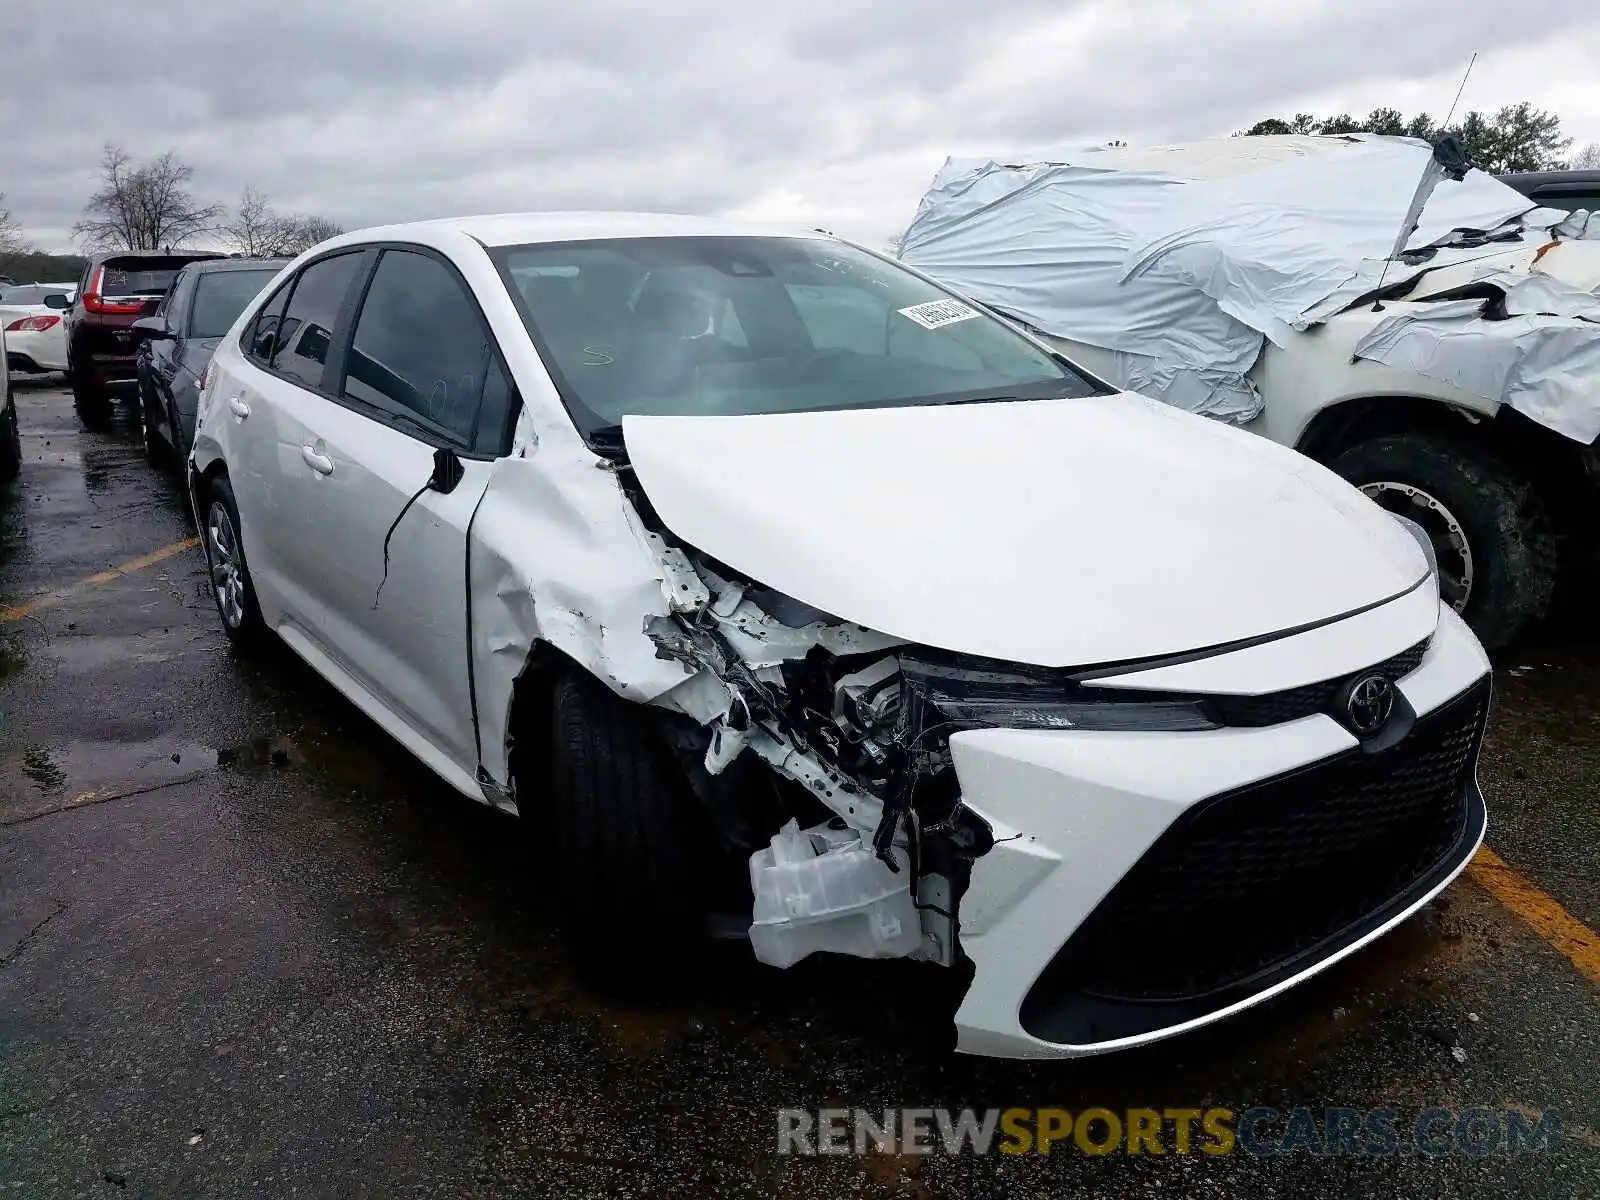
[{"x": 1145, "y": 884}]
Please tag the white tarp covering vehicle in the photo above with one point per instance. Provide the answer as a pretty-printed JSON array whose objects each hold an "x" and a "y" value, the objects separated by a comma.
[
  {"x": 763, "y": 576},
  {"x": 1239, "y": 277}
]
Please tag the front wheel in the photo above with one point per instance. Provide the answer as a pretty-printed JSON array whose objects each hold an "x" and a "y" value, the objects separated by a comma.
[
  {"x": 227, "y": 571},
  {"x": 1490, "y": 530},
  {"x": 631, "y": 840}
]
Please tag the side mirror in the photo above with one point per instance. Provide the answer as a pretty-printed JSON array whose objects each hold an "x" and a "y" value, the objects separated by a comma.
[
  {"x": 57, "y": 301},
  {"x": 448, "y": 471},
  {"x": 151, "y": 329}
]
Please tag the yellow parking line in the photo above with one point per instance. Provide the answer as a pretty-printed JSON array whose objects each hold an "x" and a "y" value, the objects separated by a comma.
[
  {"x": 18, "y": 612},
  {"x": 1549, "y": 920}
]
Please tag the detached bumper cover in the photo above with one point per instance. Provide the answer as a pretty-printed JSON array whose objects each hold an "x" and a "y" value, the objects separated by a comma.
[{"x": 1144, "y": 884}]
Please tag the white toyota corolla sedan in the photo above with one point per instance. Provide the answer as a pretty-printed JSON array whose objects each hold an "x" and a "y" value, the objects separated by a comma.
[{"x": 767, "y": 577}]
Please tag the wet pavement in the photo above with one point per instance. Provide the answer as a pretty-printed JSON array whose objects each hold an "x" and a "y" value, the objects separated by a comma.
[{"x": 249, "y": 947}]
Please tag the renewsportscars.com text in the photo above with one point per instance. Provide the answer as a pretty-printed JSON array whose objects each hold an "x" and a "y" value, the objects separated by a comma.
[{"x": 1263, "y": 1132}]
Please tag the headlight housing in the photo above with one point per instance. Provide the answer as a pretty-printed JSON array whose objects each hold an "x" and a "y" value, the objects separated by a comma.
[{"x": 981, "y": 696}]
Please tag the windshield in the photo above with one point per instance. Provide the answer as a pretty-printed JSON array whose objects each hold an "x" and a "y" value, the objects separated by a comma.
[
  {"x": 220, "y": 296},
  {"x": 713, "y": 326}
]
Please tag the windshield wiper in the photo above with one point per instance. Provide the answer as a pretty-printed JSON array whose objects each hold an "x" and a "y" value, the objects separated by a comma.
[
  {"x": 607, "y": 442},
  {"x": 1007, "y": 397}
]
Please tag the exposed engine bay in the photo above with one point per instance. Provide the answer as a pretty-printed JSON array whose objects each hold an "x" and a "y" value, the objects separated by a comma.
[{"x": 855, "y": 718}]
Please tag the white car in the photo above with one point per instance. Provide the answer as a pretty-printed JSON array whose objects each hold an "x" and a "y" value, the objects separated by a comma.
[
  {"x": 36, "y": 338},
  {"x": 1254, "y": 278},
  {"x": 761, "y": 574}
]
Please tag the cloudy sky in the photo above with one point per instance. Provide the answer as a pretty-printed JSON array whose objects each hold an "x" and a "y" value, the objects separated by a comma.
[{"x": 827, "y": 112}]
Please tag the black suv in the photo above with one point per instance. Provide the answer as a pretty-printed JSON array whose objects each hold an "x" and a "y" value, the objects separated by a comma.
[
  {"x": 116, "y": 289},
  {"x": 1570, "y": 190}
]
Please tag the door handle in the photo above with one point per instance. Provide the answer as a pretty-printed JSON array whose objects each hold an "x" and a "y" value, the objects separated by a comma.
[
  {"x": 239, "y": 407},
  {"x": 320, "y": 463}
]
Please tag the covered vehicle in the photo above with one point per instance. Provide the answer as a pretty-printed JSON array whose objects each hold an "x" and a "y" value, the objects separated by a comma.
[
  {"x": 31, "y": 314},
  {"x": 765, "y": 577},
  {"x": 176, "y": 342},
  {"x": 1450, "y": 368}
]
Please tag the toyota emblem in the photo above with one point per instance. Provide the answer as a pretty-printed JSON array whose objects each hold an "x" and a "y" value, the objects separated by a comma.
[{"x": 1369, "y": 703}]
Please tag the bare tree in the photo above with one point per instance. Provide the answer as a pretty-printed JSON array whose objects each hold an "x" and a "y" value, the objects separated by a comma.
[
  {"x": 251, "y": 229},
  {"x": 256, "y": 231},
  {"x": 1587, "y": 159},
  {"x": 10, "y": 230},
  {"x": 307, "y": 232},
  {"x": 143, "y": 206}
]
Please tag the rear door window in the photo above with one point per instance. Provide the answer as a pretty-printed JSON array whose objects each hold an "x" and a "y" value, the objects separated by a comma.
[
  {"x": 304, "y": 336},
  {"x": 219, "y": 298}
]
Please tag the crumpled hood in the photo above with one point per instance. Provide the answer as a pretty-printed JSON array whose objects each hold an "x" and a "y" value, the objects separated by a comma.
[
  {"x": 1055, "y": 532},
  {"x": 1575, "y": 264}
]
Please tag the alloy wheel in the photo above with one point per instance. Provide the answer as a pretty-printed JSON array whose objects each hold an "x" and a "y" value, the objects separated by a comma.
[{"x": 227, "y": 572}]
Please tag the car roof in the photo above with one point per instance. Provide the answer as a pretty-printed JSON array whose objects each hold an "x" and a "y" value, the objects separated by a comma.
[
  {"x": 105, "y": 255},
  {"x": 513, "y": 229},
  {"x": 1214, "y": 158},
  {"x": 211, "y": 266}
]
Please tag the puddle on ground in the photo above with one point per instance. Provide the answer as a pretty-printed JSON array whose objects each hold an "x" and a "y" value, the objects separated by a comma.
[
  {"x": 87, "y": 654},
  {"x": 39, "y": 766},
  {"x": 12, "y": 659},
  {"x": 43, "y": 780},
  {"x": 264, "y": 751}
]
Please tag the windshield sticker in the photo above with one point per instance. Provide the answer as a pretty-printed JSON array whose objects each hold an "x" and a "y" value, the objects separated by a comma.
[{"x": 936, "y": 313}]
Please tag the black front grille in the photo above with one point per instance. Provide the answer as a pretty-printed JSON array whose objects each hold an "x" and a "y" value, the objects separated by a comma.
[
  {"x": 1255, "y": 884},
  {"x": 1291, "y": 705}
]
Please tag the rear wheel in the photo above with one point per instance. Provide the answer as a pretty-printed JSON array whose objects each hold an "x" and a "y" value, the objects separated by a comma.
[
  {"x": 632, "y": 841},
  {"x": 1490, "y": 530},
  {"x": 228, "y": 572},
  {"x": 157, "y": 450},
  {"x": 89, "y": 398}
]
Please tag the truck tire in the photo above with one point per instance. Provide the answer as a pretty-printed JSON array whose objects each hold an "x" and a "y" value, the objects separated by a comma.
[
  {"x": 631, "y": 839},
  {"x": 1493, "y": 537}
]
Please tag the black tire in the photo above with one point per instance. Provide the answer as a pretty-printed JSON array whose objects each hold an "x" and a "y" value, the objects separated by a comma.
[
  {"x": 158, "y": 452},
  {"x": 180, "y": 448},
  {"x": 1501, "y": 517},
  {"x": 90, "y": 399},
  {"x": 632, "y": 841},
  {"x": 226, "y": 565},
  {"x": 10, "y": 442}
]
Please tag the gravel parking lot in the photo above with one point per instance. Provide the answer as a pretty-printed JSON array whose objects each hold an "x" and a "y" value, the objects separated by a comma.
[{"x": 248, "y": 946}]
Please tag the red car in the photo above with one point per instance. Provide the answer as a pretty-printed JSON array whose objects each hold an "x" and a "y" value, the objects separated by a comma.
[{"x": 117, "y": 288}]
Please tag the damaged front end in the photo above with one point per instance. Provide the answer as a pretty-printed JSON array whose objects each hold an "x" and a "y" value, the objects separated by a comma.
[
  {"x": 862, "y": 723},
  {"x": 852, "y": 717}
]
